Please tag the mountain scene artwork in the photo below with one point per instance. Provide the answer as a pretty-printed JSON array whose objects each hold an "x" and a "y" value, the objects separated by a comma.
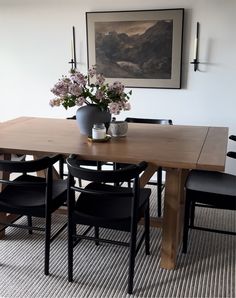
[{"x": 134, "y": 49}]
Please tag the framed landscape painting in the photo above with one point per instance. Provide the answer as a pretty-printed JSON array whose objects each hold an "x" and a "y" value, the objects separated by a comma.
[{"x": 141, "y": 48}]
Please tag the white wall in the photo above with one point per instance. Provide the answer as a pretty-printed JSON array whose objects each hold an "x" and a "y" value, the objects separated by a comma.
[{"x": 35, "y": 48}]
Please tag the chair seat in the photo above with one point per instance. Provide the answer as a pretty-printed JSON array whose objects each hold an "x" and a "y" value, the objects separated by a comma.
[
  {"x": 107, "y": 209},
  {"x": 208, "y": 189},
  {"x": 212, "y": 188},
  {"x": 212, "y": 182},
  {"x": 31, "y": 200}
]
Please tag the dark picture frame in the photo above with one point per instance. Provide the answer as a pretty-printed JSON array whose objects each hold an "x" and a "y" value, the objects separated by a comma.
[{"x": 141, "y": 48}]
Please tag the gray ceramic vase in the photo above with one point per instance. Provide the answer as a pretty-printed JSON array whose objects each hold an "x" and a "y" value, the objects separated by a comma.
[{"x": 88, "y": 115}]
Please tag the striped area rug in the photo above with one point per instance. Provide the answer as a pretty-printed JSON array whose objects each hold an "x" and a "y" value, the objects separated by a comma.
[{"x": 207, "y": 270}]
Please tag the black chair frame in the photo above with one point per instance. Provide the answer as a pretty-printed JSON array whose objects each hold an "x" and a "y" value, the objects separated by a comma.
[
  {"x": 99, "y": 189},
  {"x": 160, "y": 185},
  {"x": 194, "y": 204},
  {"x": 206, "y": 200},
  {"x": 25, "y": 182}
]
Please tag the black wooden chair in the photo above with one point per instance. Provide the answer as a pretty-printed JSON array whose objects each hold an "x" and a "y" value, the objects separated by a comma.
[
  {"x": 32, "y": 196},
  {"x": 107, "y": 206},
  {"x": 232, "y": 154},
  {"x": 208, "y": 189},
  {"x": 232, "y": 137},
  {"x": 194, "y": 204},
  {"x": 159, "y": 183}
]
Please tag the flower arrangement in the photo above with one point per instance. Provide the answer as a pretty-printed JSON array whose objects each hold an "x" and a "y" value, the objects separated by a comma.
[{"x": 75, "y": 90}]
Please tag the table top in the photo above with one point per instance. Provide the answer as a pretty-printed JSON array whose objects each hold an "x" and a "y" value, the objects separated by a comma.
[{"x": 174, "y": 146}]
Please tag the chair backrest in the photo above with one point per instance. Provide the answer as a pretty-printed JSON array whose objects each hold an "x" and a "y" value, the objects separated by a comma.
[
  {"x": 27, "y": 166},
  {"x": 232, "y": 137},
  {"x": 98, "y": 177},
  {"x": 232, "y": 154},
  {"x": 106, "y": 176},
  {"x": 149, "y": 121},
  {"x": 24, "y": 167}
]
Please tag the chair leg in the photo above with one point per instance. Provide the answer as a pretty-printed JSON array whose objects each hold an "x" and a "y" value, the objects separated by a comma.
[
  {"x": 147, "y": 230},
  {"x": 192, "y": 214},
  {"x": 96, "y": 234},
  {"x": 159, "y": 190},
  {"x": 47, "y": 244},
  {"x": 29, "y": 218},
  {"x": 186, "y": 225},
  {"x": 71, "y": 230},
  {"x": 61, "y": 168},
  {"x": 115, "y": 167},
  {"x": 132, "y": 258},
  {"x": 99, "y": 165}
]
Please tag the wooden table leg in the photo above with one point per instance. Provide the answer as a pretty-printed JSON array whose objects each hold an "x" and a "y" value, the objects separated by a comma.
[
  {"x": 147, "y": 174},
  {"x": 173, "y": 216}
]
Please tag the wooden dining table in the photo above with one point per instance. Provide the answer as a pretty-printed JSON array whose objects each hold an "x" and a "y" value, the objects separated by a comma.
[{"x": 176, "y": 148}]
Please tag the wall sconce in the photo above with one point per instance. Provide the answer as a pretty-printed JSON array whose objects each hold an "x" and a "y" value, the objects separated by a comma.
[
  {"x": 73, "y": 61},
  {"x": 195, "y": 61}
]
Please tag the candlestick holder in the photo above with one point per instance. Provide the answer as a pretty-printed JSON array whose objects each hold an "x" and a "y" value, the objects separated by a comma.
[
  {"x": 73, "y": 61},
  {"x": 195, "y": 62},
  {"x": 73, "y": 64}
]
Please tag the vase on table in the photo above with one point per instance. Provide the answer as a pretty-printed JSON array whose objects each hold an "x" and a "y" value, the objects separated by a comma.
[{"x": 88, "y": 115}]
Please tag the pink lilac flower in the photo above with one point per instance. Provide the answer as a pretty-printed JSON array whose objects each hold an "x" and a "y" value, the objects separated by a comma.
[
  {"x": 75, "y": 89},
  {"x": 92, "y": 72},
  {"x": 127, "y": 106},
  {"x": 114, "y": 108},
  {"x": 79, "y": 78},
  {"x": 118, "y": 87},
  {"x": 99, "y": 94},
  {"x": 61, "y": 88},
  {"x": 100, "y": 80},
  {"x": 80, "y": 101},
  {"x": 55, "y": 102}
]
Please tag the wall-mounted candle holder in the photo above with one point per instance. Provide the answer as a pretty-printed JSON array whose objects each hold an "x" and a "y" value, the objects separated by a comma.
[
  {"x": 73, "y": 61},
  {"x": 195, "y": 61}
]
